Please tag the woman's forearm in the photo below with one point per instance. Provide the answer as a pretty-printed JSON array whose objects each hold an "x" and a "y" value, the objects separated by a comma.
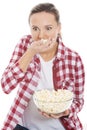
[{"x": 26, "y": 59}]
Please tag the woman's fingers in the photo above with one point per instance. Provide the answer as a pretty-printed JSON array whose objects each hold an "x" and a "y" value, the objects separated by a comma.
[
  {"x": 39, "y": 46},
  {"x": 56, "y": 116}
]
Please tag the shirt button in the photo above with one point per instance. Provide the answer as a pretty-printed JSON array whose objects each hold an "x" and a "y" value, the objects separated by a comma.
[
  {"x": 56, "y": 82},
  {"x": 54, "y": 68}
]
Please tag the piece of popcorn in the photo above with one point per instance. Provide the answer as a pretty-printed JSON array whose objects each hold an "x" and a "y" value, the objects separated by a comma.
[{"x": 43, "y": 41}]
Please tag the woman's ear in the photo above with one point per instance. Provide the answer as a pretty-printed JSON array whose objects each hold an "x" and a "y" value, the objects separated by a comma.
[{"x": 59, "y": 28}]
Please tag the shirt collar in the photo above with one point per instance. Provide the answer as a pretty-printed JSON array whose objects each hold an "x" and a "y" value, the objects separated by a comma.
[{"x": 61, "y": 50}]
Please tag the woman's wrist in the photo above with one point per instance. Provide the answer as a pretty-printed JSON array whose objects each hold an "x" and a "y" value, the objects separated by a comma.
[
  {"x": 66, "y": 113},
  {"x": 31, "y": 51}
]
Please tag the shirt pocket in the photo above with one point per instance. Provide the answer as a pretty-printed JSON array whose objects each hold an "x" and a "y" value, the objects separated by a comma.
[{"x": 67, "y": 83}]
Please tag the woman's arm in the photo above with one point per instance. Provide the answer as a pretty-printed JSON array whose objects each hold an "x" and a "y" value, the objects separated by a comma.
[{"x": 13, "y": 74}]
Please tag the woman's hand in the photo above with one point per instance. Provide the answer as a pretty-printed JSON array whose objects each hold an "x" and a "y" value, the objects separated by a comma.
[
  {"x": 55, "y": 116},
  {"x": 40, "y": 46}
]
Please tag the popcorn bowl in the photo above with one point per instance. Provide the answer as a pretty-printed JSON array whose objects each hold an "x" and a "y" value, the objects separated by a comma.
[{"x": 51, "y": 101}]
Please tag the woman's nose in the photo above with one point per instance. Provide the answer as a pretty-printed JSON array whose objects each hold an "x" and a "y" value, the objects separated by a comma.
[{"x": 41, "y": 34}]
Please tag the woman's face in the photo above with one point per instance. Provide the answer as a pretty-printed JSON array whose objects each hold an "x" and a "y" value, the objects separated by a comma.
[{"x": 44, "y": 26}]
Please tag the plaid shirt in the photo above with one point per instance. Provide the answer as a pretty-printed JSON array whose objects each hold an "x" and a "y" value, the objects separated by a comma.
[{"x": 68, "y": 72}]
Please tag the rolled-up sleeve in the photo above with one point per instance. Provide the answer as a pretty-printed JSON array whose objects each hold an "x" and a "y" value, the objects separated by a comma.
[
  {"x": 13, "y": 74},
  {"x": 78, "y": 100}
]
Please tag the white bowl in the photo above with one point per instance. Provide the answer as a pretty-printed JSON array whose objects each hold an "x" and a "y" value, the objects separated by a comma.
[{"x": 51, "y": 101}]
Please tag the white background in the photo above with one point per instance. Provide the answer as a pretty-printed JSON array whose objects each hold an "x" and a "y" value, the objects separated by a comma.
[{"x": 14, "y": 24}]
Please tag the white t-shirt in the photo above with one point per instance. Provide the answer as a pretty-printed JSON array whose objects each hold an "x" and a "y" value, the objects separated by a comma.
[{"x": 32, "y": 118}]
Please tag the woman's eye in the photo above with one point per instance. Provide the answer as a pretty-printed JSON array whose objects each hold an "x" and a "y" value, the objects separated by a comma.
[
  {"x": 35, "y": 29},
  {"x": 49, "y": 28}
]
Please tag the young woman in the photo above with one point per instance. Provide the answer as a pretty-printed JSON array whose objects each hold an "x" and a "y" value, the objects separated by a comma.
[{"x": 40, "y": 61}]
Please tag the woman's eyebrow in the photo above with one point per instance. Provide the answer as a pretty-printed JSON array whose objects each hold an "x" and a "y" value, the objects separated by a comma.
[{"x": 48, "y": 25}]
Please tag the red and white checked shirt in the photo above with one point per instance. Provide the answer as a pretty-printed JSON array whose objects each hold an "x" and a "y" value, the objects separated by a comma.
[{"x": 68, "y": 72}]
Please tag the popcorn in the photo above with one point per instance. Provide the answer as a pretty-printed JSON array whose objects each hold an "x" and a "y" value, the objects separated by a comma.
[
  {"x": 43, "y": 41},
  {"x": 51, "y": 101}
]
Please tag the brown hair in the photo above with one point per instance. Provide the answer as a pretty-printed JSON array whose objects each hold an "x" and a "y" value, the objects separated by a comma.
[{"x": 46, "y": 7}]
